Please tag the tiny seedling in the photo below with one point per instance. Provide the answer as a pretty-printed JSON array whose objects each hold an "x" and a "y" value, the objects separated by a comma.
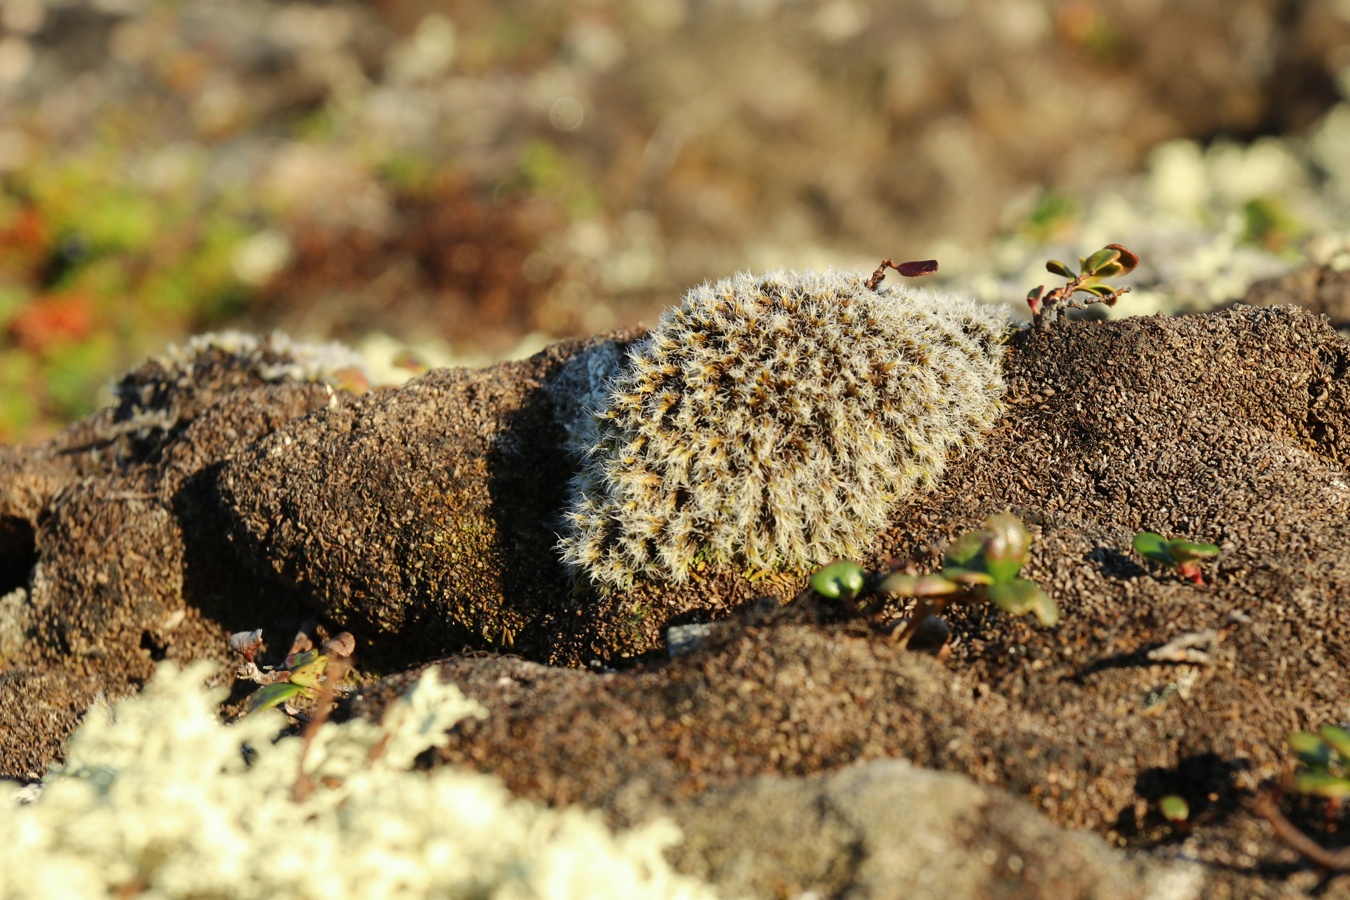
[
  {"x": 1179, "y": 554},
  {"x": 1325, "y": 772},
  {"x": 1109, "y": 262},
  {"x": 1325, "y": 756},
  {"x": 303, "y": 674},
  {"x": 980, "y": 566},
  {"x": 1177, "y": 811},
  {"x": 841, "y": 580}
]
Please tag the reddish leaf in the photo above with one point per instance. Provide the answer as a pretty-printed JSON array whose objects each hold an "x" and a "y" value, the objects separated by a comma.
[
  {"x": 1128, "y": 258},
  {"x": 917, "y": 268}
]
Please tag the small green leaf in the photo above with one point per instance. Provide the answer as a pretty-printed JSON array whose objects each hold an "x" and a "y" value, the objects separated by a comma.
[
  {"x": 1174, "y": 809},
  {"x": 934, "y": 585},
  {"x": 1056, "y": 267},
  {"x": 300, "y": 660},
  {"x": 1338, "y": 738},
  {"x": 964, "y": 552},
  {"x": 1046, "y": 611},
  {"x": 1152, "y": 546},
  {"x": 1035, "y": 294},
  {"x": 900, "y": 584},
  {"x": 1020, "y": 596},
  {"x": 1007, "y": 544},
  {"x": 1103, "y": 256},
  {"x": 1311, "y": 750},
  {"x": 896, "y": 584},
  {"x": 1097, "y": 290},
  {"x": 1185, "y": 551},
  {"x": 310, "y": 674},
  {"x": 841, "y": 580},
  {"x": 272, "y": 695},
  {"x": 1110, "y": 270},
  {"x": 1322, "y": 784},
  {"x": 969, "y": 577}
]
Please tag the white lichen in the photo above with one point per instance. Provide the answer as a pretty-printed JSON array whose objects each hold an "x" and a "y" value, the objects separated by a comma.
[
  {"x": 156, "y": 799},
  {"x": 275, "y": 358}
]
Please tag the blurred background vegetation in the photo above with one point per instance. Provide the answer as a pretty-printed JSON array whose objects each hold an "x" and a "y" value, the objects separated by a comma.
[{"x": 473, "y": 178}]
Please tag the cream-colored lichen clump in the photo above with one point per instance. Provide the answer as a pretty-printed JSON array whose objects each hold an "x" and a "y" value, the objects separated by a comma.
[
  {"x": 775, "y": 420},
  {"x": 156, "y": 799}
]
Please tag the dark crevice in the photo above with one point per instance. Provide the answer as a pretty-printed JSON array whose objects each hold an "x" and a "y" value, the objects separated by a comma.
[
  {"x": 156, "y": 648},
  {"x": 18, "y": 552}
]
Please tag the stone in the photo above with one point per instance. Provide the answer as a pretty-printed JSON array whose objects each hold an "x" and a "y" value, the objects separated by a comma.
[{"x": 211, "y": 500}]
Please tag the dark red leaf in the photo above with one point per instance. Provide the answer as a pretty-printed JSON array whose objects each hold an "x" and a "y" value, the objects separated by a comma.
[{"x": 917, "y": 268}]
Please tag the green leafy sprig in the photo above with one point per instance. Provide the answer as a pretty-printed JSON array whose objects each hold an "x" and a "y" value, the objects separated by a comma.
[
  {"x": 1109, "y": 262},
  {"x": 980, "y": 566},
  {"x": 303, "y": 674},
  {"x": 1325, "y": 756},
  {"x": 1182, "y": 555}
]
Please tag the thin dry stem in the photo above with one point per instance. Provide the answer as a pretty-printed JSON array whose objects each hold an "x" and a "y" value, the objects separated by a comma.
[
  {"x": 1062, "y": 298},
  {"x": 1263, "y": 804},
  {"x": 333, "y": 675}
]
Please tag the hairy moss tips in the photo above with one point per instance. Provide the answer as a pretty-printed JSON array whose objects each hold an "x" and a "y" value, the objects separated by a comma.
[{"x": 775, "y": 421}]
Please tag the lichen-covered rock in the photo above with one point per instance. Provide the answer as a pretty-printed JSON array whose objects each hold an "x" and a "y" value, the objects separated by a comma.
[
  {"x": 888, "y": 829},
  {"x": 773, "y": 421},
  {"x": 424, "y": 516},
  {"x": 110, "y": 546},
  {"x": 1232, "y": 428}
]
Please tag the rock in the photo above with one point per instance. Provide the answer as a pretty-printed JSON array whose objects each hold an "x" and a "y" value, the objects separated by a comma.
[
  {"x": 1320, "y": 289},
  {"x": 888, "y": 829},
  {"x": 425, "y": 517},
  {"x": 1229, "y": 428},
  {"x": 106, "y": 530}
]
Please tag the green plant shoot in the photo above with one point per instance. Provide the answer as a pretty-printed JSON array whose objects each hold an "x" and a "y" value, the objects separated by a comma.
[
  {"x": 1111, "y": 261},
  {"x": 1182, "y": 555}
]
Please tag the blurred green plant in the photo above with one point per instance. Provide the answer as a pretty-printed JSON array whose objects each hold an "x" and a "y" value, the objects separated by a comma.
[
  {"x": 1325, "y": 757},
  {"x": 984, "y": 566},
  {"x": 545, "y": 170},
  {"x": 1109, "y": 262},
  {"x": 841, "y": 580},
  {"x": 1054, "y": 213},
  {"x": 1177, "y": 811},
  {"x": 1182, "y": 555},
  {"x": 99, "y": 266},
  {"x": 980, "y": 566},
  {"x": 1268, "y": 223},
  {"x": 301, "y": 680}
]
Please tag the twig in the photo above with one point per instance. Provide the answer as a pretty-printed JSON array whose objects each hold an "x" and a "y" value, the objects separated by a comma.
[
  {"x": 1060, "y": 299},
  {"x": 1263, "y": 804},
  {"x": 339, "y": 662}
]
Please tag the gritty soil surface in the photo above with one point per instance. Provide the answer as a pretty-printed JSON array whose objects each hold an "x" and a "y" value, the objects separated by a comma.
[{"x": 254, "y": 503}]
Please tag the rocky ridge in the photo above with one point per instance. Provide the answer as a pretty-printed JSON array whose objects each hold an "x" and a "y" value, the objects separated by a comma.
[{"x": 232, "y": 498}]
